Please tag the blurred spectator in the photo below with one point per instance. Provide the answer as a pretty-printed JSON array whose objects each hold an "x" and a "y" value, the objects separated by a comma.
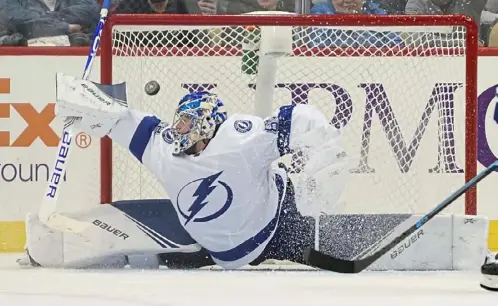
[
  {"x": 233, "y": 35},
  {"x": 347, "y": 7},
  {"x": 7, "y": 37},
  {"x": 168, "y": 37},
  {"x": 208, "y": 7},
  {"x": 490, "y": 13},
  {"x": 50, "y": 18},
  {"x": 393, "y": 6},
  {"x": 165, "y": 6},
  {"x": 492, "y": 6},
  {"x": 141, "y": 6},
  {"x": 322, "y": 37},
  {"x": 247, "y": 6},
  {"x": 489, "y": 18},
  {"x": 472, "y": 8}
]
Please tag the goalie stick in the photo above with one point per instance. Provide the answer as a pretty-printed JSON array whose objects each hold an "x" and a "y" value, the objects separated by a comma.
[
  {"x": 47, "y": 213},
  {"x": 323, "y": 261}
]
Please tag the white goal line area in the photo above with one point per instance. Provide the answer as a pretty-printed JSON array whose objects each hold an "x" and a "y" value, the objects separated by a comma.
[{"x": 245, "y": 288}]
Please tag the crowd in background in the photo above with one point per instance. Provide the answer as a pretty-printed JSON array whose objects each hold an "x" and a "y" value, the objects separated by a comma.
[{"x": 72, "y": 22}]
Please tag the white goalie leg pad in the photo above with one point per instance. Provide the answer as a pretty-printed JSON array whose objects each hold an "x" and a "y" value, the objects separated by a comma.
[
  {"x": 54, "y": 249},
  {"x": 113, "y": 239},
  {"x": 98, "y": 106},
  {"x": 45, "y": 245}
]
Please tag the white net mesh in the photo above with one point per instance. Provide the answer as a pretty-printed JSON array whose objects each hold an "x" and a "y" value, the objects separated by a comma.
[{"x": 396, "y": 93}]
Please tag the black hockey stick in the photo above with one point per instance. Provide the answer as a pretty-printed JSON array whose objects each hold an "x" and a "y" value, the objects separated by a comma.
[{"x": 323, "y": 261}]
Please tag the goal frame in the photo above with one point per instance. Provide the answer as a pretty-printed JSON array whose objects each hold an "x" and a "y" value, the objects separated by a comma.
[{"x": 471, "y": 47}]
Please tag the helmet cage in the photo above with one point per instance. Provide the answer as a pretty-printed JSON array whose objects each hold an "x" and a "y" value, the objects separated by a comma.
[{"x": 198, "y": 124}]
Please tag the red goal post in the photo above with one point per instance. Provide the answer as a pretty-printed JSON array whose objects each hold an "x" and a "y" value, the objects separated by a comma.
[{"x": 427, "y": 63}]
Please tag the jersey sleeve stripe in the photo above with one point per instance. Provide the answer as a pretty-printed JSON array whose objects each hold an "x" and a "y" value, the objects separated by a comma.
[
  {"x": 142, "y": 136},
  {"x": 284, "y": 129},
  {"x": 252, "y": 243}
]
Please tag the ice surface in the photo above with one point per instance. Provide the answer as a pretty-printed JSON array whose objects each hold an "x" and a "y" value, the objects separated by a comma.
[{"x": 127, "y": 287}]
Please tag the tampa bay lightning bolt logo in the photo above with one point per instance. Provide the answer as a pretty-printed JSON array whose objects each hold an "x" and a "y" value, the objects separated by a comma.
[
  {"x": 204, "y": 209},
  {"x": 242, "y": 126},
  {"x": 168, "y": 135}
]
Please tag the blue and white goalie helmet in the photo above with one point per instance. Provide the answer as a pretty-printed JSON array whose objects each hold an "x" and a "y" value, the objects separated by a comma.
[{"x": 196, "y": 119}]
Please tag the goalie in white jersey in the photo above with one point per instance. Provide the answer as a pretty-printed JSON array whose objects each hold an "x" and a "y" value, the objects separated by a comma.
[{"x": 228, "y": 205}]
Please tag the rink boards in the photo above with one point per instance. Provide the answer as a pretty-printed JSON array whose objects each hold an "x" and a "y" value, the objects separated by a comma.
[{"x": 23, "y": 167}]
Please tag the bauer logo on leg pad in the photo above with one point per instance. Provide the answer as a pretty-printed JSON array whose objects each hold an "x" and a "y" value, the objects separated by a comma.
[
  {"x": 110, "y": 229},
  {"x": 242, "y": 126}
]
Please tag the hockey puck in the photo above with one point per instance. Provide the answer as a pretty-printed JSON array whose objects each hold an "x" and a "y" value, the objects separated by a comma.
[{"x": 152, "y": 88}]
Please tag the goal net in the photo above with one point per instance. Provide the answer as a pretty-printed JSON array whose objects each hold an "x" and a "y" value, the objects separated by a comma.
[{"x": 402, "y": 90}]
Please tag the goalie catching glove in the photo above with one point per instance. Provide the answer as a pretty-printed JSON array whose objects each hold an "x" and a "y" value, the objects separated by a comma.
[
  {"x": 322, "y": 163},
  {"x": 98, "y": 107}
]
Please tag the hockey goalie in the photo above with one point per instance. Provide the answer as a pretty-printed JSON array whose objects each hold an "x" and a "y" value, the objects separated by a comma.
[{"x": 230, "y": 205}]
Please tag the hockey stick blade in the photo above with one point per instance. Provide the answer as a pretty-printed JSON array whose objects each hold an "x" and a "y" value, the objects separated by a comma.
[{"x": 323, "y": 261}]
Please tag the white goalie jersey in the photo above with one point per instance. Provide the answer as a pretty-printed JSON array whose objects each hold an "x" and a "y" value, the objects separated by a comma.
[{"x": 228, "y": 197}]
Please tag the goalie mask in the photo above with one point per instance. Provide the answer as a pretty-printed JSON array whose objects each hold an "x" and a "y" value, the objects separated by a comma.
[{"x": 196, "y": 119}]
